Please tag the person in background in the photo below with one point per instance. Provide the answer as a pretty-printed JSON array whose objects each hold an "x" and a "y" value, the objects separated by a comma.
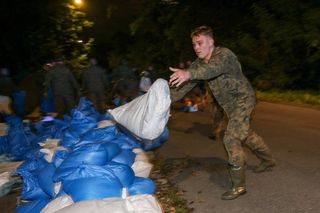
[
  {"x": 145, "y": 82},
  {"x": 7, "y": 90},
  {"x": 94, "y": 85},
  {"x": 65, "y": 88},
  {"x": 234, "y": 94}
]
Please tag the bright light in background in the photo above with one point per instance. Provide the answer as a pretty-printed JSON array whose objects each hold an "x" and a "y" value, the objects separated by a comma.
[{"x": 77, "y": 2}]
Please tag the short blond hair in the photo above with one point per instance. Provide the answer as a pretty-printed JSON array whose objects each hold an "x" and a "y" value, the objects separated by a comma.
[{"x": 202, "y": 30}]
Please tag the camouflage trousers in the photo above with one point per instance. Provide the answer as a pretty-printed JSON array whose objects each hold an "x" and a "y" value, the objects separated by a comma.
[{"x": 239, "y": 133}]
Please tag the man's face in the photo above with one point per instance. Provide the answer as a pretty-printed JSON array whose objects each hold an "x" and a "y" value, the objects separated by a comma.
[{"x": 203, "y": 46}]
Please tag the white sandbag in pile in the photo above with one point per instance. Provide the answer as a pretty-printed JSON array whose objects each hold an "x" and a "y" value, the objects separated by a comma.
[
  {"x": 137, "y": 203},
  {"x": 141, "y": 166},
  {"x": 57, "y": 204},
  {"x": 49, "y": 147},
  {"x": 146, "y": 116}
]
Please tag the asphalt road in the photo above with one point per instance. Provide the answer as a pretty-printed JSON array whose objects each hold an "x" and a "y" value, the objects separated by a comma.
[{"x": 293, "y": 134}]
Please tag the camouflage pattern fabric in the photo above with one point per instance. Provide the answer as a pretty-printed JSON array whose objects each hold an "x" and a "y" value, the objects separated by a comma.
[{"x": 234, "y": 94}]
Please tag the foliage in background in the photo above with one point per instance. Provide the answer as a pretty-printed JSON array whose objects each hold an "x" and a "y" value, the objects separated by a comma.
[
  {"x": 38, "y": 31},
  {"x": 277, "y": 41},
  {"x": 281, "y": 48}
]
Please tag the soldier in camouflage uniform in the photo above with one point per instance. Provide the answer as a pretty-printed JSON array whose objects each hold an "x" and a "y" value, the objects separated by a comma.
[
  {"x": 94, "y": 84},
  {"x": 234, "y": 94},
  {"x": 65, "y": 87}
]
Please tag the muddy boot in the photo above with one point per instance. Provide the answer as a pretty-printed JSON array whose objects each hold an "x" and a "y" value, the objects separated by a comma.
[
  {"x": 267, "y": 161},
  {"x": 237, "y": 175}
]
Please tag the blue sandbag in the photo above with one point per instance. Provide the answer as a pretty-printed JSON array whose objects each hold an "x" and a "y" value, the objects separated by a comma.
[
  {"x": 32, "y": 165},
  {"x": 92, "y": 154},
  {"x": 4, "y": 145},
  {"x": 88, "y": 109},
  {"x": 82, "y": 123},
  {"x": 124, "y": 173},
  {"x": 126, "y": 157},
  {"x": 142, "y": 186},
  {"x": 45, "y": 179},
  {"x": 19, "y": 102},
  {"x": 59, "y": 157},
  {"x": 93, "y": 188},
  {"x": 81, "y": 171},
  {"x": 32, "y": 207},
  {"x": 100, "y": 134},
  {"x": 127, "y": 141},
  {"x": 31, "y": 189},
  {"x": 113, "y": 149},
  {"x": 70, "y": 138},
  {"x": 149, "y": 145}
]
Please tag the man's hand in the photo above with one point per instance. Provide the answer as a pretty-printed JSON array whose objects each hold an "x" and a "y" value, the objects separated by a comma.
[{"x": 178, "y": 77}]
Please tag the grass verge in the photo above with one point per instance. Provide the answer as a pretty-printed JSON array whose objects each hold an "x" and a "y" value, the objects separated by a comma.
[{"x": 309, "y": 98}]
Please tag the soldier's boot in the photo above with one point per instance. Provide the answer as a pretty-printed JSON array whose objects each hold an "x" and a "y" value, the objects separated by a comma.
[
  {"x": 267, "y": 161},
  {"x": 237, "y": 175}
]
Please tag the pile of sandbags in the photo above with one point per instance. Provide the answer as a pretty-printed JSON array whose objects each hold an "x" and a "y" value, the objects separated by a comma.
[{"x": 87, "y": 160}]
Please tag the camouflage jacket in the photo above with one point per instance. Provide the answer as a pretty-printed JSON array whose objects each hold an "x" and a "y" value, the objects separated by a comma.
[
  {"x": 62, "y": 81},
  {"x": 225, "y": 79},
  {"x": 94, "y": 79}
]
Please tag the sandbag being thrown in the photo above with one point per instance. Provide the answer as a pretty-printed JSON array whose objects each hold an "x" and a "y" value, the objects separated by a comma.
[{"x": 146, "y": 116}]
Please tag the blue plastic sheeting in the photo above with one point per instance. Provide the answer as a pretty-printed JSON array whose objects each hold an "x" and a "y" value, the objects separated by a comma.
[
  {"x": 142, "y": 186},
  {"x": 126, "y": 157},
  {"x": 32, "y": 207},
  {"x": 123, "y": 172},
  {"x": 149, "y": 145}
]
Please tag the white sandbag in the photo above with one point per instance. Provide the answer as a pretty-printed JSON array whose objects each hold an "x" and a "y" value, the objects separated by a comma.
[
  {"x": 146, "y": 116},
  {"x": 140, "y": 155},
  {"x": 49, "y": 147},
  {"x": 131, "y": 204},
  {"x": 142, "y": 168},
  {"x": 4, "y": 178},
  {"x": 57, "y": 204},
  {"x": 143, "y": 204}
]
